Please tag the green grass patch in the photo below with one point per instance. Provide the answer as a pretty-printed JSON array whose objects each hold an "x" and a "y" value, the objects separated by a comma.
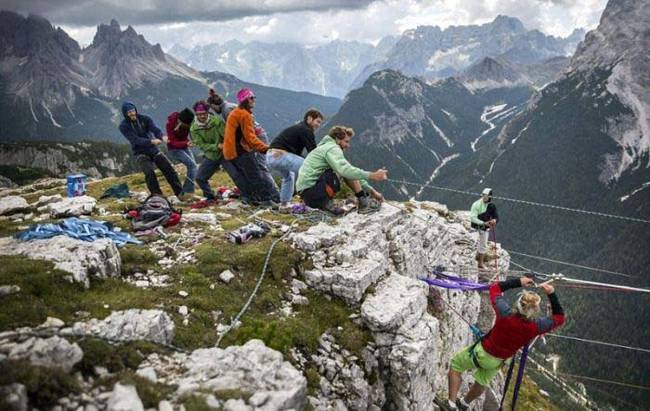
[
  {"x": 44, "y": 385},
  {"x": 137, "y": 259},
  {"x": 114, "y": 358}
]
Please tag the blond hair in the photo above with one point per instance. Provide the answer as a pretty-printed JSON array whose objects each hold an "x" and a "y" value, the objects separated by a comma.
[{"x": 528, "y": 305}]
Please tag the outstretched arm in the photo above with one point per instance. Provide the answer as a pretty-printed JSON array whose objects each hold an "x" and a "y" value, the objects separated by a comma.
[
  {"x": 557, "y": 318},
  {"x": 499, "y": 304}
]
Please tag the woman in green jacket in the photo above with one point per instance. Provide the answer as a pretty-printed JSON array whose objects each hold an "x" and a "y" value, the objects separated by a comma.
[{"x": 207, "y": 134}]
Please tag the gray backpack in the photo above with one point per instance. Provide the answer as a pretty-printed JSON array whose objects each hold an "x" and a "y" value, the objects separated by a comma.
[{"x": 155, "y": 211}]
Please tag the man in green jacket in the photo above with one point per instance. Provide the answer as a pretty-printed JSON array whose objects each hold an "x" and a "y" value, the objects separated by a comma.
[
  {"x": 207, "y": 134},
  {"x": 318, "y": 178},
  {"x": 484, "y": 216}
]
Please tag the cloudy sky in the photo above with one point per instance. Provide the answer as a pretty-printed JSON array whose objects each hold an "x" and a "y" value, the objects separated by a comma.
[{"x": 190, "y": 22}]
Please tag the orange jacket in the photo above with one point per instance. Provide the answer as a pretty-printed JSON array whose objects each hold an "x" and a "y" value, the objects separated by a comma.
[{"x": 240, "y": 135}]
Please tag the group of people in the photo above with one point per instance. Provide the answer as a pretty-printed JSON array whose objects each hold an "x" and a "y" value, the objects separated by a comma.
[{"x": 229, "y": 137}]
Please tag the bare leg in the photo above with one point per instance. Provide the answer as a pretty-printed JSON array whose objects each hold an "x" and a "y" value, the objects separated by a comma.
[
  {"x": 355, "y": 185},
  {"x": 454, "y": 384},
  {"x": 474, "y": 392}
]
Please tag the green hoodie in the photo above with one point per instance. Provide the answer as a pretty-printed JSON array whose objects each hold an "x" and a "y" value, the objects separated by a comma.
[
  {"x": 208, "y": 137},
  {"x": 478, "y": 207},
  {"x": 328, "y": 155}
]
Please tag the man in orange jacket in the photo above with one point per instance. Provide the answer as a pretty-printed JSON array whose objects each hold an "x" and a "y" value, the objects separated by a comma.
[{"x": 240, "y": 143}]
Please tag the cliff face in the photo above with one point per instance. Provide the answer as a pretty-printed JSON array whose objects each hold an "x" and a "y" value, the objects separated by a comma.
[
  {"x": 96, "y": 160},
  {"x": 374, "y": 262}
]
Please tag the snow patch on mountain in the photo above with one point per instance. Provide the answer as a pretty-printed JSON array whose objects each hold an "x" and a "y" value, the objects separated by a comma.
[
  {"x": 643, "y": 186},
  {"x": 485, "y": 118},
  {"x": 436, "y": 171}
]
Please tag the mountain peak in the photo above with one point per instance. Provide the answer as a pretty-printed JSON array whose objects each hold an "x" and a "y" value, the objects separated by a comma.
[
  {"x": 508, "y": 23},
  {"x": 490, "y": 73}
]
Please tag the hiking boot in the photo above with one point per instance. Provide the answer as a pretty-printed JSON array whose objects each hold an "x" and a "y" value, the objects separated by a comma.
[
  {"x": 445, "y": 405},
  {"x": 331, "y": 208},
  {"x": 173, "y": 200},
  {"x": 285, "y": 208},
  {"x": 268, "y": 204},
  {"x": 368, "y": 205},
  {"x": 461, "y": 405}
]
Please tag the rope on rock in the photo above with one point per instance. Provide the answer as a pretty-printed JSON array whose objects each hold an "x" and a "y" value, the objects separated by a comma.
[{"x": 245, "y": 307}]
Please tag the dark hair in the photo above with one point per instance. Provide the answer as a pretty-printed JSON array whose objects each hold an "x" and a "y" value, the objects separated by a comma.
[
  {"x": 201, "y": 102},
  {"x": 314, "y": 114},
  {"x": 340, "y": 132},
  {"x": 246, "y": 104},
  {"x": 214, "y": 98}
]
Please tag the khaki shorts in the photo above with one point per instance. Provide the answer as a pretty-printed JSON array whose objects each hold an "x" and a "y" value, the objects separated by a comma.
[
  {"x": 482, "y": 244},
  {"x": 490, "y": 365}
]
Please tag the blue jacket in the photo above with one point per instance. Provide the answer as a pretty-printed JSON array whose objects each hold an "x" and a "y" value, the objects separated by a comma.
[{"x": 139, "y": 132}]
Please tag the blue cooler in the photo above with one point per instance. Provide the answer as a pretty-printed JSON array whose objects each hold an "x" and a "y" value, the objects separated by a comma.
[{"x": 76, "y": 185}]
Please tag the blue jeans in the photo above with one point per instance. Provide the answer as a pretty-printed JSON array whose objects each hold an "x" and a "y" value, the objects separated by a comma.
[
  {"x": 286, "y": 165},
  {"x": 250, "y": 178},
  {"x": 186, "y": 157},
  {"x": 206, "y": 171}
]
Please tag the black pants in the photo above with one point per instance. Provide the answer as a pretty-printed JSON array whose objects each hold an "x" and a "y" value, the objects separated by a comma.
[
  {"x": 250, "y": 179},
  {"x": 148, "y": 164},
  {"x": 326, "y": 187}
]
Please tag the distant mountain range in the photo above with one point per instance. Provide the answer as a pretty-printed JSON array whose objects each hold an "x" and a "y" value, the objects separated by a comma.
[
  {"x": 431, "y": 52},
  {"x": 339, "y": 66},
  {"x": 51, "y": 89},
  {"x": 327, "y": 69}
]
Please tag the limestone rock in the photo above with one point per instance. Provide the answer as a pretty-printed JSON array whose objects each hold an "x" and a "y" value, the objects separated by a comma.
[
  {"x": 14, "y": 396},
  {"x": 50, "y": 352},
  {"x": 124, "y": 398},
  {"x": 251, "y": 369},
  {"x": 12, "y": 204},
  {"x": 130, "y": 325},
  {"x": 72, "y": 207},
  {"x": 397, "y": 301},
  {"x": 45, "y": 200},
  {"x": 165, "y": 406},
  {"x": 226, "y": 276},
  {"x": 205, "y": 218},
  {"x": 148, "y": 373},
  {"x": 8, "y": 290},
  {"x": 99, "y": 258}
]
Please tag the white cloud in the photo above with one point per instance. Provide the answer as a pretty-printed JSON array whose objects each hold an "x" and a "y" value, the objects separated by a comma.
[{"x": 370, "y": 23}]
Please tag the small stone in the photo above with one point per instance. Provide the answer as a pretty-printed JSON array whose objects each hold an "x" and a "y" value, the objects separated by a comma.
[
  {"x": 52, "y": 322},
  {"x": 182, "y": 310},
  {"x": 226, "y": 276},
  {"x": 100, "y": 371},
  {"x": 14, "y": 397},
  {"x": 183, "y": 293},
  {"x": 165, "y": 406},
  {"x": 186, "y": 321},
  {"x": 148, "y": 373},
  {"x": 213, "y": 286},
  {"x": 124, "y": 398},
  {"x": 8, "y": 290}
]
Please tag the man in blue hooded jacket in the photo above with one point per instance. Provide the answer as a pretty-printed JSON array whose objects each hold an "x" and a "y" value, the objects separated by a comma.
[{"x": 145, "y": 137}]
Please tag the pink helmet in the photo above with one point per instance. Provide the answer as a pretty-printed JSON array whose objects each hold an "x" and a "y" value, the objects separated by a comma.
[{"x": 243, "y": 94}]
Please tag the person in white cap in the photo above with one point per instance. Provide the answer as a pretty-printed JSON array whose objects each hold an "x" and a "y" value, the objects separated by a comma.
[{"x": 484, "y": 217}]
